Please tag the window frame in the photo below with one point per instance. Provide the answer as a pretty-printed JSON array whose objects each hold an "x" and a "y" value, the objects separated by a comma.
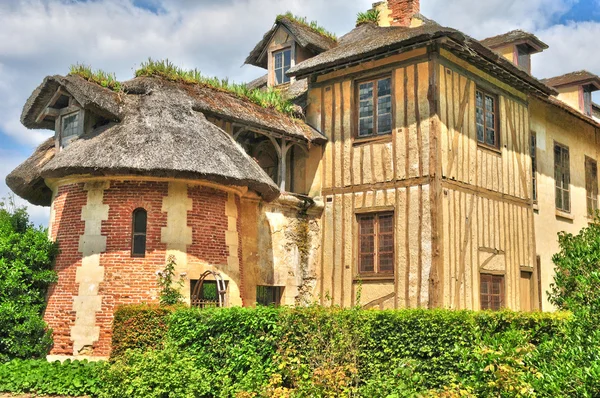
[
  {"x": 78, "y": 114},
  {"x": 374, "y": 79},
  {"x": 376, "y": 234},
  {"x": 496, "y": 113},
  {"x": 591, "y": 196},
  {"x": 502, "y": 294},
  {"x": 274, "y": 55},
  {"x": 276, "y": 295},
  {"x": 534, "y": 168},
  {"x": 134, "y": 234},
  {"x": 563, "y": 190}
]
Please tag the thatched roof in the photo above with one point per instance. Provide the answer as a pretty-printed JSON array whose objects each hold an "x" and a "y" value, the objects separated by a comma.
[
  {"x": 161, "y": 133},
  {"x": 103, "y": 102},
  {"x": 515, "y": 36},
  {"x": 580, "y": 77},
  {"x": 305, "y": 36},
  {"x": 259, "y": 82},
  {"x": 296, "y": 92},
  {"x": 373, "y": 41},
  {"x": 26, "y": 180}
]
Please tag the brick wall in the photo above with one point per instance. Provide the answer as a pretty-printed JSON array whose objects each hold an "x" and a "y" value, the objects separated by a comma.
[
  {"x": 127, "y": 280},
  {"x": 66, "y": 230},
  {"x": 402, "y": 11}
]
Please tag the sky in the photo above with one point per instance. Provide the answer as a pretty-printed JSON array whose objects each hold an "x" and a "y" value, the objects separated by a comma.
[{"x": 44, "y": 37}]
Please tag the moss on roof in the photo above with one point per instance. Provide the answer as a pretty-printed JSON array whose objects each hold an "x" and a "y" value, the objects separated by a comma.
[
  {"x": 314, "y": 25},
  {"x": 371, "y": 16},
  {"x": 98, "y": 76}
]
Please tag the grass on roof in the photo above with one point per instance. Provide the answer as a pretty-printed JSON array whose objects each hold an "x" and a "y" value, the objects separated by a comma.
[
  {"x": 270, "y": 98},
  {"x": 371, "y": 16},
  {"x": 312, "y": 24},
  {"x": 104, "y": 79}
]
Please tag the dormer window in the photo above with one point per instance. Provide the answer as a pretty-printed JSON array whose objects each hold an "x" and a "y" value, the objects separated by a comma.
[
  {"x": 69, "y": 129},
  {"x": 587, "y": 99},
  {"x": 523, "y": 55},
  {"x": 282, "y": 63}
]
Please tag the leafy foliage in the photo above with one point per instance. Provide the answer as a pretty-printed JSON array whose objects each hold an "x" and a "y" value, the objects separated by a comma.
[
  {"x": 269, "y": 98},
  {"x": 576, "y": 285},
  {"x": 75, "y": 378},
  {"x": 26, "y": 259},
  {"x": 170, "y": 291},
  {"x": 371, "y": 16},
  {"x": 314, "y": 25},
  {"x": 330, "y": 352},
  {"x": 139, "y": 327},
  {"x": 98, "y": 76}
]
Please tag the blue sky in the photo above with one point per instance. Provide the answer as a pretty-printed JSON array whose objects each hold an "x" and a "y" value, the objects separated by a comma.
[{"x": 42, "y": 37}]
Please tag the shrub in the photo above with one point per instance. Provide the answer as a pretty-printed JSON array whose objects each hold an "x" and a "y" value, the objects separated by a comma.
[
  {"x": 170, "y": 295},
  {"x": 74, "y": 378},
  {"x": 371, "y": 16},
  {"x": 26, "y": 258},
  {"x": 139, "y": 327},
  {"x": 164, "y": 373}
]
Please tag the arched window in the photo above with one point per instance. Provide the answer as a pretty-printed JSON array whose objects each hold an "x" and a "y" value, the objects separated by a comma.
[{"x": 139, "y": 222}]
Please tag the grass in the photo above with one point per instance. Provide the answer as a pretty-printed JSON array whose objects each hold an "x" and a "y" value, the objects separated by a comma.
[
  {"x": 312, "y": 24},
  {"x": 371, "y": 16},
  {"x": 270, "y": 98},
  {"x": 98, "y": 76}
]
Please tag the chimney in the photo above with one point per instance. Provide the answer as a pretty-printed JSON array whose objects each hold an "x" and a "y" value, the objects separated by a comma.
[{"x": 402, "y": 11}]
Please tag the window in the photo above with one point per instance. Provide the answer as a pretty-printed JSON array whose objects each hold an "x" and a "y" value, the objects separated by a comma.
[
  {"x": 591, "y": 185},
  {"x": 69, "y": 129},
  {"x": 376, "y": 243},
  {"x": 523, "y": 57},
  {"x": 283, "y": 61},
  {"x": 375, "y": 107},
  {"x": 562, "y": 177},
  {"x": 491, "y": 288},
  {"x": 486, "y": 111},
  {"x": 587, "y": 100},
  {"x": 268, "y": 295},
  {"x": 208, "y": 295},
  {"x": 140, "y": 220},
  {"x": 533, "y": 152}
]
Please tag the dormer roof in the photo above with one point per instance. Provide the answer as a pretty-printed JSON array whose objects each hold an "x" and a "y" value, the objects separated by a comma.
[
  {"x": 305, "y": 36},
  {"x": 516, "y": 37},
  {"x": 579, "y": 78}
]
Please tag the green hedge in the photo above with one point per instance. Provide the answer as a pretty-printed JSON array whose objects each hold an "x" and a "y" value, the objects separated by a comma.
[
  {"x": 74, "y": 378},
  {"x": 331, "y": 352},
  {"x": 139, "y": 326}
]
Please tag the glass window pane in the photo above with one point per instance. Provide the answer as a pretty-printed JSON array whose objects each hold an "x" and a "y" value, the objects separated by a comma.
[
  {"x": 287, "y": 58},
  {"x": 366, "y": 127},
  {"x": 384, "y": 124},
  {"x": 366, "y": 91},
  {"x": 479, "y": 99},
  {"x": 366, "y": 108},
  {"x": 278, "y": 60},
  {"x": 384, "y": 87},
  {"x": 367, "y": 225},
  {"x": 367, "y": 263},
  {"x": 386, "y": 262},
  {"x": 367, "y": 244},
  {"x": 139, "y": 221},
  {"x": 279, "y": 76},
  {"x": 384, "y": 105},
  {"x": 489, "y": 103},
  {"x": 139, "y": 244},
  {"x": 480, "y": 132},
  {"x": 386, "y": 224},
  {"x": 490, "y": 137}
]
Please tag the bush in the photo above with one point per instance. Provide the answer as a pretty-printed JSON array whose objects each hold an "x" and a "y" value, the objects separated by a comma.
[
  {"x": 314, "y": 351},
  {"x": 139, "y": 327},
  {"x": 73, "y": 378},
  {"x": 26, "y": 258}
]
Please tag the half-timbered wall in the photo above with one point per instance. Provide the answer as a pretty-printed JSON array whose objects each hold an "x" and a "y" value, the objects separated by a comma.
[
  {"x": 487, "y": 215},
  {"x": 386, "y": 173}
]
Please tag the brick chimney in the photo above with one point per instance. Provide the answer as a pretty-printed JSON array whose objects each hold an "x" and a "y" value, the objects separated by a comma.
[{"x": 402, "y": 11}]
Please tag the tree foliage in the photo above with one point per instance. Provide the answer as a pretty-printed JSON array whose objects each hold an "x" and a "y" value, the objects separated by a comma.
[{"x": 26, "y": 259}]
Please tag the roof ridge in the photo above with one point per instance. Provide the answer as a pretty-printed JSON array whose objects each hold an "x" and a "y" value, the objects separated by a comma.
[{"x": 312, "y": 25}]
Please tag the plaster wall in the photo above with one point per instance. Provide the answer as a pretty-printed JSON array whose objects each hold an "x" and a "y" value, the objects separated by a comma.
[
  {"x": 570, "y": 95},
  {"x": 554, "y": 125}
]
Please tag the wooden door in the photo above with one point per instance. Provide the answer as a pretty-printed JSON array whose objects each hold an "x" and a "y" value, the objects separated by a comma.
[{"x": 526, "y": 291}]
